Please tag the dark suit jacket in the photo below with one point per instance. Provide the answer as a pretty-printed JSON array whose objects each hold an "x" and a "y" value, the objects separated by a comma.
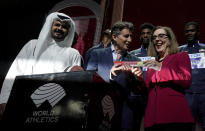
[
  {"x": 101, "y": 60},
  {"x": 87, "y": 55}
]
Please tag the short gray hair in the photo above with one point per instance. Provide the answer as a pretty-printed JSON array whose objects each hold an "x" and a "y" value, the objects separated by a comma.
[{"x": 120, "y": 25}]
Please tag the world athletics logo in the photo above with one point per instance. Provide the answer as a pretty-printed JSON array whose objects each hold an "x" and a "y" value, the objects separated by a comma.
[{"x": 50, "y": 92}]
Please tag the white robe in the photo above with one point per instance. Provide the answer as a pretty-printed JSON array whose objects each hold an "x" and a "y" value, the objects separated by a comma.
[
  {"x": 42, "y": 56},
  {"x": 53, "y": 60}
]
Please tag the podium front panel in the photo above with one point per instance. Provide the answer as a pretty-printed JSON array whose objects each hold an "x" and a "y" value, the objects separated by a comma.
[{"x": 71, "y": 101}]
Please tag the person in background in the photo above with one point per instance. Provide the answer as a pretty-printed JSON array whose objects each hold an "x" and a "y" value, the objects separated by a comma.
[
  {"x": 102, "y": 60},
  {"x": 196, "y": 94},
  {"x": 50, "y": 53},
  {"x": 105, "y": 42},
  {"x": 167, "y": 78},
  {"x": 145, "y": 37}
]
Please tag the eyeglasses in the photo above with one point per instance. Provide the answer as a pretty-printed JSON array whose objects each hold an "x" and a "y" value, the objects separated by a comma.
[{"x": 160, "y": 37}]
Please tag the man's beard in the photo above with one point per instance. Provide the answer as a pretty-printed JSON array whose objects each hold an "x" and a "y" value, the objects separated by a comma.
[{"x": 59, "y": 37}]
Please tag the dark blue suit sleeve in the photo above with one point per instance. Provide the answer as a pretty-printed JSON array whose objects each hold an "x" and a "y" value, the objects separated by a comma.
[
  {"x": 87, "y": 57},
  {"x": 92, "y": 61}
]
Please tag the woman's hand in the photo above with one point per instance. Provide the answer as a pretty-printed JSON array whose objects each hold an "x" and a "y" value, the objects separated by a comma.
[{"x": 153, "y": 64}]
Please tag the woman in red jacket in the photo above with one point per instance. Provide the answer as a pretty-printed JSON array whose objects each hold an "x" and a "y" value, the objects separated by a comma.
[{"x": 167, "y": 77}]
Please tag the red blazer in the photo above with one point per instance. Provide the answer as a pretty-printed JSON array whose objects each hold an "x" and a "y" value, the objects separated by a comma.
[{"x": 167, "y": 102}]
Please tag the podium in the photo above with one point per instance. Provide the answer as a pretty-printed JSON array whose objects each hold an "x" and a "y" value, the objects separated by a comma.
[{"x": 71, "y": 101}]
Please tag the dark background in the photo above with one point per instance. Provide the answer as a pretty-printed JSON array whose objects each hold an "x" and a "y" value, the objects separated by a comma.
[
  {"x": 21, "y": 21},
  {"x": 172, "y": 13}
]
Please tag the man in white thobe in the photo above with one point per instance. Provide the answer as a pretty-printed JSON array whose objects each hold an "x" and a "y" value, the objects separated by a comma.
[{"x": 50, "y": 53}]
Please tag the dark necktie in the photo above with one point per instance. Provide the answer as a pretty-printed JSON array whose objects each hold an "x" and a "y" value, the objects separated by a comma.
[{"x": 118, "y": 57}]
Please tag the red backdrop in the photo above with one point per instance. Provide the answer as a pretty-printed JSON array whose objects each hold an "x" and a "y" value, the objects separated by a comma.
[
  {"x": 85, "y": 27},
  {"x": 172, "y": 13}
]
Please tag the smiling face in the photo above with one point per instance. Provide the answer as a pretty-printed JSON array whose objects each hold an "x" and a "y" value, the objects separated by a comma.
[
  {"x": 123, "y": 40},
  {"x": 161, "y": 41},
  {"x": 59, "y": 30}
]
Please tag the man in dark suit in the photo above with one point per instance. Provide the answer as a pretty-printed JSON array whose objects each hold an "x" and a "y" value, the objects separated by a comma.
[{"x": 126, "y": 77}]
